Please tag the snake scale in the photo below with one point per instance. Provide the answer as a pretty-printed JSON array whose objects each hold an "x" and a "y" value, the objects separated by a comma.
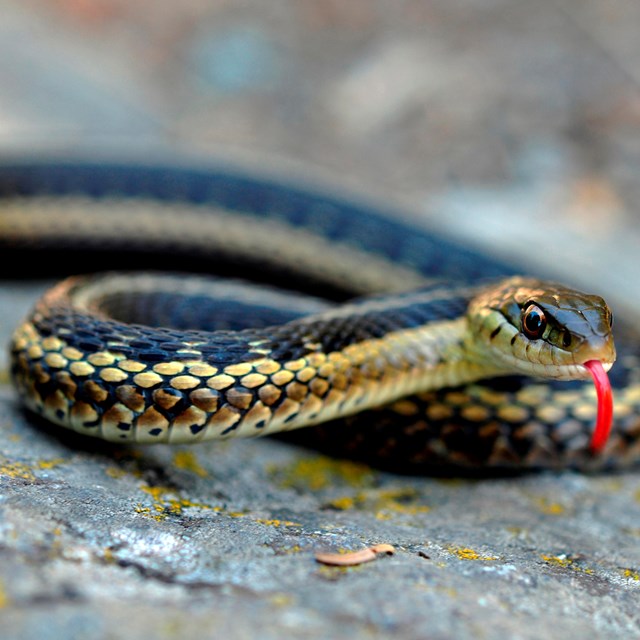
[{"x": 380, "y": 330}]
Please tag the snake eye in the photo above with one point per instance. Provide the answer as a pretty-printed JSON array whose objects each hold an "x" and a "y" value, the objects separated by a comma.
[{"x": 534, "y": 322}]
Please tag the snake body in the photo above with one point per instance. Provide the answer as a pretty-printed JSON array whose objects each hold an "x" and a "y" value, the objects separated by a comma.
[{"x": 180, "y": 358}]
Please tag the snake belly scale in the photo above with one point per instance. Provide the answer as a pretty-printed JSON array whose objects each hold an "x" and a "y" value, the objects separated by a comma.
[{"x": 180, "y": 358}]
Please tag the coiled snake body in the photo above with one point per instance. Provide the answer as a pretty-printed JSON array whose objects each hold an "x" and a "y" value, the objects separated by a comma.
[{"x": 413, "y": 366}]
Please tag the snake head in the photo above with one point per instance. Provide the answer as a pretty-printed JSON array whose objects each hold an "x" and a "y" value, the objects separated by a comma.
[{"x": 542, "y": 328}]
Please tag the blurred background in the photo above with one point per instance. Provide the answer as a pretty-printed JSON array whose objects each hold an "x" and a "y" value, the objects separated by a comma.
[{"x": 510, "y": 123}]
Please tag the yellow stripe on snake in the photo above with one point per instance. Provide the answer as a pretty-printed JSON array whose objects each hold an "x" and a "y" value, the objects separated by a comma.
[{"x": 410, "y": 356}]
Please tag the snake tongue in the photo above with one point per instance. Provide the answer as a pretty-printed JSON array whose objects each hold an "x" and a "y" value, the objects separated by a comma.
[{"x": 605, "y": 405}]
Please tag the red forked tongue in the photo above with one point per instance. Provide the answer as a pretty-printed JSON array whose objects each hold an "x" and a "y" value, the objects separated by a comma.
[{"x": 605, "y": 405}]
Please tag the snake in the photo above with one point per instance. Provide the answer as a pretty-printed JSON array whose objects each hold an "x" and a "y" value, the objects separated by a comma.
[{"x": 210, "y": 303}]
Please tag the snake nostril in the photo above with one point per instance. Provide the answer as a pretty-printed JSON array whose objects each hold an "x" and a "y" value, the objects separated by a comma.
[{"x": 566, "y": 340}]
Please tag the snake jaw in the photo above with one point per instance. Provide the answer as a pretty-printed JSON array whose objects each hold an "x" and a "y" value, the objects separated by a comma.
[{"x": 600, "y": 348}]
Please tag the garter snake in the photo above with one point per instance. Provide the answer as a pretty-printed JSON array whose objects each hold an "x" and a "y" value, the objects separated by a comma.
[{"x": 166, "y": 357}]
